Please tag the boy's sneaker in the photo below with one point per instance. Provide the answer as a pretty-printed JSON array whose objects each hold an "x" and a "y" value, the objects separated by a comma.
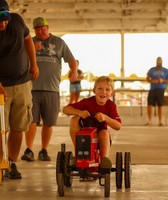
[
  {"x": 105, "y": 163},
  {"x": 28, "y": 155},
  {"x": 43, "y": 155},
  {"x": 13, "y": 172}
]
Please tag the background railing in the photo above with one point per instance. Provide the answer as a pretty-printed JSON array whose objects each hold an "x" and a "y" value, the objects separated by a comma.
[{"x": 131, "y": 92}]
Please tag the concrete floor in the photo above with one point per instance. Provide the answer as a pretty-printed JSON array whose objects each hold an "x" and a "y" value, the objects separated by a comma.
[{"x": 149, "y": 180}]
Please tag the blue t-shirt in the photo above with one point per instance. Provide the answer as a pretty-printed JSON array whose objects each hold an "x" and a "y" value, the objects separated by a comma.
[{"x": 156, "y": 73}]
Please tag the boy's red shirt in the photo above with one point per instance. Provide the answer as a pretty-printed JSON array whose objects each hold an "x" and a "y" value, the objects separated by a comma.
[{"x": 90, "y": 104}]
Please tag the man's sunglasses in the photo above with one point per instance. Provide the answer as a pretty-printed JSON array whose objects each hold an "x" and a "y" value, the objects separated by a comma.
[{"x": 4, "y": 15}]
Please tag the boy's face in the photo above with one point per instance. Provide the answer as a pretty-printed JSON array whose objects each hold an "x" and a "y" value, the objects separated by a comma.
[{"x": 103, "y": 92}]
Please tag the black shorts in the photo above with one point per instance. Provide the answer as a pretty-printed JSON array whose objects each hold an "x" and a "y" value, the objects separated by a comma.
[{"x": 156, "y": 97}]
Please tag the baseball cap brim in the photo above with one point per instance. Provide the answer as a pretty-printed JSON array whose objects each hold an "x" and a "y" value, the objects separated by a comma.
[
  {"x": 39, "y": 22},
  {"x": 4, "y": 16}
]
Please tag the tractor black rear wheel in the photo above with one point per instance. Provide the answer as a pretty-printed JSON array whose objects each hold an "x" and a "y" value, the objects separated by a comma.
[
  {"x": 119, "y": 164},
  {"x": 67, "y": 169},
  {"x": 127, "y": 169},
  {"x": 107, "y": 185}
]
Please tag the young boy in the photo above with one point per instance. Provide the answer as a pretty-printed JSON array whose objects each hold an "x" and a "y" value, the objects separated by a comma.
[{"x": 104, "y": 110}]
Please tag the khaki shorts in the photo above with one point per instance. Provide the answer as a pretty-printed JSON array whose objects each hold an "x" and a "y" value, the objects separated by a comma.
[{"x": 18, "y": 107}]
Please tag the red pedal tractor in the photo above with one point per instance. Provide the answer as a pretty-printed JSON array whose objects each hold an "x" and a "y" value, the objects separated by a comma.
[{"x": 86, "y": 162}]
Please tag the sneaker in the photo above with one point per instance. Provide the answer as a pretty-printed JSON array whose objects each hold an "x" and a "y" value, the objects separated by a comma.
[
  {"x": 28, "y": 155},
  {"x": 43, "y": 155},
  {"x": 105, "y": 163},
  {"x": 13, "y": 172}
]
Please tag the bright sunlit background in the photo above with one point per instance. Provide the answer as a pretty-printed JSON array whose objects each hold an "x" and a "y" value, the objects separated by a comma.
[{"x": 101, "y": 54}]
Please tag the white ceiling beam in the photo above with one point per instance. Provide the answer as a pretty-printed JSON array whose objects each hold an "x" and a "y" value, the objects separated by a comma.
[
  {"x": 88, "y": 6},
  {"x": 119, "y": 6},
  {"x": 51, "y": 15},
  {"x": 99, "y": 24},
  {"x": 46, "y": 5},
  {"x": 98, "y": 15},
  {"x": 72, "y": 16}
]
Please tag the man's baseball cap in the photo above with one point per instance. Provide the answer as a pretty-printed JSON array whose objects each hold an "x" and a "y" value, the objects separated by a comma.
[
  {"x": 39, "y": 21},
  {"x": 4, "y": 11}
]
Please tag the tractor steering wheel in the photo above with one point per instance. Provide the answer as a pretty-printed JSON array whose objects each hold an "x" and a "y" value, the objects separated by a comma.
[{"x": 90, "y": 121}]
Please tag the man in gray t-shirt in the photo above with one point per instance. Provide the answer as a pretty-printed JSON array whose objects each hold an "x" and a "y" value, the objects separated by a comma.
[{"x": 50, "y": 50}]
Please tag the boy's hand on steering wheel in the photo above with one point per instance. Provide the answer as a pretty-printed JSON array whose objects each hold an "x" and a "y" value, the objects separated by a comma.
[
  {"x": 100, "y": 117},
  {"x": 84, "y": 114},
  {"x": 91, "y": 120}
]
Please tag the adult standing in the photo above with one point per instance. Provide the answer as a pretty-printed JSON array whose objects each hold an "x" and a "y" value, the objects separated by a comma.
[
  {"x": 158, "y": 78},
  {"x": 50, "y": 50},
  {"x": 75, "y": 86},
  {"x": 17, "y": 68}
]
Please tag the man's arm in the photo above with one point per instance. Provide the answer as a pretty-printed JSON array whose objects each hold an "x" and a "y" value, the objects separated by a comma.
[
  {"x": 73, "y": 66},
  {"x": 30, "y": 49},
  {"x": 150, "y": 80}
]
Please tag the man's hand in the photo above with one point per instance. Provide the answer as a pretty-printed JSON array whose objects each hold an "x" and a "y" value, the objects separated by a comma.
[
  {"x": 84, "y": 114},
  {"x": 34, "y": 72},
  {"x": 100, "y": 117},
  {"x": 73, "y": 75},
  {"x": 160, "y": 80}
]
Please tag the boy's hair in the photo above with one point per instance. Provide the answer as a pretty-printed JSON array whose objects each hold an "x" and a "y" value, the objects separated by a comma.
[{"x": 102, "y": 79}]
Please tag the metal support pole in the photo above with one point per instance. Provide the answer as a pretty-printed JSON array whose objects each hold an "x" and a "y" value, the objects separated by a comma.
[{"x": 122, "y": 73}]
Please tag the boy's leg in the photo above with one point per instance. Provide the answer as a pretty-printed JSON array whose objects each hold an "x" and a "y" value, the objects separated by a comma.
[
  {"x": 104, "y": 142},
  {"x": 74, "y": 127}
]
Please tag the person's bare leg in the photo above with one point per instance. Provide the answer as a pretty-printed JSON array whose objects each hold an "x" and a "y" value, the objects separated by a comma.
[
  {"x": 30, "y": 135},
  {"x": 46, "y": 134},
  {"x": 104, "y": 142},
  {"x": 72, "y": 97},
  {"x": 103, "y": 137},
  {"x": 160, "y": 114},
  {"x": 76, "y": 98},
  {"x": 74, "y": 128},
  {"x": 14, "y": 144},
  {"x": 149, "y": 112}
]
